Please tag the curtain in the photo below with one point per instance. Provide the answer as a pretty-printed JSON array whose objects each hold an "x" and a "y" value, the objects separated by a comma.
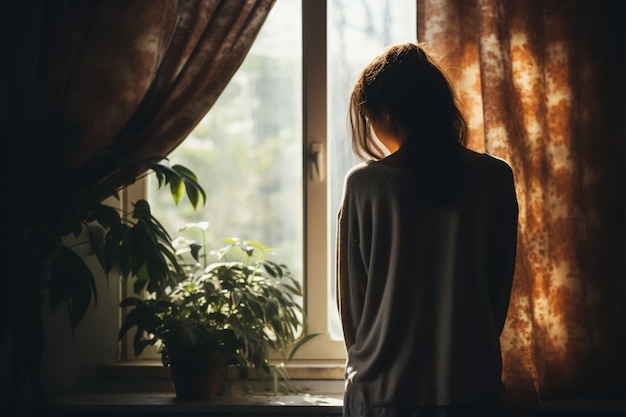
[
  {"x": 543, "y": 83},
  {"x": 90, "y": 92},
  {"x": 127, "y": 80}
]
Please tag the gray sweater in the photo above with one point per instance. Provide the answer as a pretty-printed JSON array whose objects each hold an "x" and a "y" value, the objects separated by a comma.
[{"x": 423, "y": 291}]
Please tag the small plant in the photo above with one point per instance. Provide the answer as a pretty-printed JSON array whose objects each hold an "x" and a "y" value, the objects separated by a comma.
[
  {"x": 242, "y": 305},
  {"x": 55, "y": 220}
]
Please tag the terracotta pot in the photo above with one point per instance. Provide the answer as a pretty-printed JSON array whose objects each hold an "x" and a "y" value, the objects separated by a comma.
[{"x": 198, "y": 376}]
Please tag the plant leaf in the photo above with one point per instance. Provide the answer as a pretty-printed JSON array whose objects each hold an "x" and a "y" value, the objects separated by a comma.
[
  {"x": 107, "y": 216},
  {"x": 195, "y": 250},
  {"x": 177, "y": 189},
  {"x": 72, "y": 281},
  {"x": 299, "y": 344}
]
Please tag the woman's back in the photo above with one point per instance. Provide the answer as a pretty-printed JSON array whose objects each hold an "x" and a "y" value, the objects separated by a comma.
[
  {"x": 426, "y": 248},
  {"x": 426, "y": 286}
]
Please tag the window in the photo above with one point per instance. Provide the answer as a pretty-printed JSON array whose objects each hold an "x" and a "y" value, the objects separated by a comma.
[{"x": 273, "y": 151}]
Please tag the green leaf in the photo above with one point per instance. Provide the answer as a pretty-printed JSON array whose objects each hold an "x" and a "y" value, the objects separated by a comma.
[
  {"x": 195, "y": 250},
  {"x": 80, "y": 300},
  {"x": 139, "y": 285},
  {"x": 203, "y": 226},
  {"x": 59, "y": 287},
  {"x": 97, "y": 241},
  {"x": 151, "y": 226},
  {"x": 126, "y": 326},
  {"x": 300, "y": 343},
  {"x": 177, "y": 189},
  {"x": 160, "y": 178},
  {"x": 295, "y": 282},
  {"x": 72, "y": 281},
  {"x": 169, "y": 254},
  {"x": 107, "y": 216},
  {"x": 293, "y": 290},
  {"x": 192, "y": 193},
  {"x": 185, "y": 172},
  {"x": 180, "y": 179},
  {"x": 113, "y": 244},
  {"x": 280, "y": 270},
  {"x": 132, "y": 255},
  {"x": 256, "y": 307},
  {"x": 270, "y": 269},
  {"x": 130, "y": 302},
  {"x": 137, "y": 342},
  {"x": 141, "y": 209},
  {"x": 164, "y": 173},
  {"x": 146, "y": 342},
  {"x": 234, "y": 240},
  {"x": 193, "y": 188}
]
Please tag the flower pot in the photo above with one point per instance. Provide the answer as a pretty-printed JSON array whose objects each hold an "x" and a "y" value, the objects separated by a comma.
[{"x": 196, "y": 375}]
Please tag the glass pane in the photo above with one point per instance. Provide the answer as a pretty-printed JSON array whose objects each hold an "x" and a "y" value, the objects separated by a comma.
[
  {"x": 357, "y": 32},
  {"x": 247, "y": 151}
]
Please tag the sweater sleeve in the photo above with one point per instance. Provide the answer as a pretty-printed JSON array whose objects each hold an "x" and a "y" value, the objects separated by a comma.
[
  {"x": 350, "y": 273},
  {"x": 342, "y": 283},
  {"x": 502, "y": 261},
  {"x": 344, "y": 301}
]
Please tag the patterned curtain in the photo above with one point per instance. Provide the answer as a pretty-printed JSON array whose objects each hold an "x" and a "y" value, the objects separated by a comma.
[
  {"x": 127, "y": 79},
  {"x": 90, "y": 91},
  {"x": 543, "y": 82}
]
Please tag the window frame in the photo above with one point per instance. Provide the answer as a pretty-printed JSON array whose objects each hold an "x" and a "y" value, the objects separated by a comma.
[
  {"x": 317, "y": 215},
  {"x": 323, "y": 350}
]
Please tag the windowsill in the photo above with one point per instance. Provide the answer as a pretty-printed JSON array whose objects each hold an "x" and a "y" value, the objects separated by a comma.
[
  {"x": 297, "y": 370},
  {"x": 157, "y": 403},
  {"x": 140, "y": 388},
  {"x": 162, "y": 403},
  {"x": 144, "y": 388}
]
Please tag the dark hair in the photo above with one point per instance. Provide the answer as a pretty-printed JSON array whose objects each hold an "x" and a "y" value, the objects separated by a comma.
[{"x": 408, "y": 86}]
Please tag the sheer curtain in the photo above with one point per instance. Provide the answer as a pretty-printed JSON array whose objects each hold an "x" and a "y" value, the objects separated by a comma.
[{"x": 544, "y": 88}]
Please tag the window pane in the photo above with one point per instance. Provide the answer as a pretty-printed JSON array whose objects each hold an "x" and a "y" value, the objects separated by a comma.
[
  {"x": 357, "y": 32},
  {"x": 247, "y": 151}
]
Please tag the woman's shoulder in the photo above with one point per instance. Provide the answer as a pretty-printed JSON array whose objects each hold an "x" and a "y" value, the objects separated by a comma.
[
  {"x": 367, "y": 170},
  {"x": 368, "y": 176},
  {"x": 487, "y": 164},
  {"x": 357, "y": 169}
]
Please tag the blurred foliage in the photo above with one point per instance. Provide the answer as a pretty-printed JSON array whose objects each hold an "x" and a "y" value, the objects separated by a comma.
[{"x": 247, "y": 153}]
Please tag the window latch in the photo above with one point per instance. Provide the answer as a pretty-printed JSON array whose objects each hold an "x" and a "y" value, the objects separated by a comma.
[{"x": 316, "y": 161}]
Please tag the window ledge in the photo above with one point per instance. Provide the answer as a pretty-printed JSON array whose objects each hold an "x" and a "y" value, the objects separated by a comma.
[
  {"x": 144, "y": 388},
  {"x": 158, "y": 403},
  {"x": 153, "y": 369},
  {"x": 165, "y": 403}
]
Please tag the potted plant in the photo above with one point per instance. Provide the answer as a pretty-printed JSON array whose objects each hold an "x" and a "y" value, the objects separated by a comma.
[
  {"x": 53, "y": 219},
  {"x": 235, "y": 310}
]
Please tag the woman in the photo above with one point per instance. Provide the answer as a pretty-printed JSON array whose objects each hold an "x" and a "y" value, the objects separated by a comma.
[{"x": 427, "y": 233}]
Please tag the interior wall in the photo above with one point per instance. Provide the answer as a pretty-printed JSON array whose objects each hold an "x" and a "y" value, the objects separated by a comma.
[{"x": 71, "y": 360}]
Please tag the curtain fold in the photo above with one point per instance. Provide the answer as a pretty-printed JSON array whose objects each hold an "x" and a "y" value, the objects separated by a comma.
[
  {"x": 90, "y": 92},
  {"x": 131, "y": 78},
  {"x": 544, "y": 88}
]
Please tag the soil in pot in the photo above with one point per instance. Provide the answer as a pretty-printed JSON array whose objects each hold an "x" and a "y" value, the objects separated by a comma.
[{"x": 198, "y": 376}]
